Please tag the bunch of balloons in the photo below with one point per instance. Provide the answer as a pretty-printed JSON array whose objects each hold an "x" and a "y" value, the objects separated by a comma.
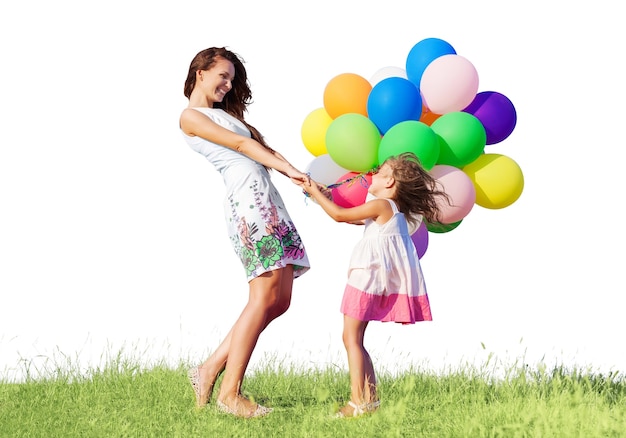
[{"x": 432, "y": 108}]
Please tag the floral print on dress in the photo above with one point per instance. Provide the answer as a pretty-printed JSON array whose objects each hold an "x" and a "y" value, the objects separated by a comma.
[{"x": 260, "y": 252}]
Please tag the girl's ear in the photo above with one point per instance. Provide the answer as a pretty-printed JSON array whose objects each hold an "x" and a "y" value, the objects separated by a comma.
[{"x": 390, "y": 182}]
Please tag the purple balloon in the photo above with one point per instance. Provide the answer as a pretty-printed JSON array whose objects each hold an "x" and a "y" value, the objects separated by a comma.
[
  {"x": 497, "y": 114},
  {"x": 420, "y": 239}
]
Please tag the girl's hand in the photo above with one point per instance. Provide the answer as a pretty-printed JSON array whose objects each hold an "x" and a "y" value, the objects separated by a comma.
[
  {"x": 316, "y": 189},
  {"x": 307, "y": 186}
]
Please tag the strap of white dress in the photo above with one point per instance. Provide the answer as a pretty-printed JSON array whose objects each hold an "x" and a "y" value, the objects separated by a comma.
[{"x": 394, "y": 207}]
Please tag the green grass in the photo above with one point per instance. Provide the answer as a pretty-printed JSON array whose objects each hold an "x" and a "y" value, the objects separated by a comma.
[{"x": 126, "y": 399}]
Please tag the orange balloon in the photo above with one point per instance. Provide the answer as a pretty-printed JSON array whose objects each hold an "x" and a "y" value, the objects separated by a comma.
[
  {"x": 428, "y": 117},
  {"x": 347, "y": 93}
]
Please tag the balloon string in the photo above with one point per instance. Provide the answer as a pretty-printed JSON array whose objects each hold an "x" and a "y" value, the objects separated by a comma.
[{"x": 359, "y": 177}]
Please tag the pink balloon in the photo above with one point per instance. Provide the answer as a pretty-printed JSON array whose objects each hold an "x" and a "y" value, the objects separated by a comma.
[
  {"x": 460, "y": 189},
  {"x": 449, "y": 83},
  {"x": 420, "y": 239},
  {"x": 352, "y": 193}
]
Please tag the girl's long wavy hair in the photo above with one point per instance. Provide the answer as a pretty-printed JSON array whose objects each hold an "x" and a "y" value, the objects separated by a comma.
[
  {"x": 417, "y": 192},
  {"x": 238, "y": 98}
]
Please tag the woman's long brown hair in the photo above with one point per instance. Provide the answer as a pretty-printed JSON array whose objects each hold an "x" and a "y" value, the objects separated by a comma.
[{"x": 238, "y": 98}]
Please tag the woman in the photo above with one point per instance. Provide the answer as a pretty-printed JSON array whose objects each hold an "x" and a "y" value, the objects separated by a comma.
[{"x": 259, "y": 226}]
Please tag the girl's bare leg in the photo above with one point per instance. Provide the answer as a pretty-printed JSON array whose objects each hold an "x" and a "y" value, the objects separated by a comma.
[{"x": 362, "y": 376}]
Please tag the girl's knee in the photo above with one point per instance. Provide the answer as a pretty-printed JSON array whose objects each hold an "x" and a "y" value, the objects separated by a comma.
[{"x": 349, "y": 340}]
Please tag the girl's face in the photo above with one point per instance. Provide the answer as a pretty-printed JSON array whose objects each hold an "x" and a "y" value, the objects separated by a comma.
[
  {"x": 217, "y": 81},
  {"x": 381, "y": 179}
]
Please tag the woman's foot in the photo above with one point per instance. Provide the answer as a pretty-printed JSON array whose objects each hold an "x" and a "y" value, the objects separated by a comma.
[
  {"x": 242, "y": 407},
  {"x": 354, "y": 410},
  {"x": 201, "y": 388}
]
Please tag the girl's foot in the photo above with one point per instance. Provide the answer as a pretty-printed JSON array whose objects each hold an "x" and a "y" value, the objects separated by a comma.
[
  {"x": 354, "y": 410},
  {"x": 244, "y": 408}
]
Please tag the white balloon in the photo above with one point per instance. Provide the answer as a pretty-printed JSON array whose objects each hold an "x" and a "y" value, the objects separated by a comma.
[
  {"x": 324, "y": 170},
  {"x": 387, "y": 72}
]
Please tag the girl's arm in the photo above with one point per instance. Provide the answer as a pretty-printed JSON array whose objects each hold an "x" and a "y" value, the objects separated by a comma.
[
  {"x": 378, "y": 210},
  {"x": 194, "y": 123}
]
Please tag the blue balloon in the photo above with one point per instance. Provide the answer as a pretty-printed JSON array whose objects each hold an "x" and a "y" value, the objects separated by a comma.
[
  {"x": 422, "y": 54},
  {"x": 393, "y": 100}
]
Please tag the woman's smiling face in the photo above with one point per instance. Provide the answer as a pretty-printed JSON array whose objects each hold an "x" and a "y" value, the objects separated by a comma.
[{"x": 217, "y": 81}]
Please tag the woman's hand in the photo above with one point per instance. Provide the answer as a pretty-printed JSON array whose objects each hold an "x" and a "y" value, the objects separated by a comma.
[{"x": 297, "y": 177}]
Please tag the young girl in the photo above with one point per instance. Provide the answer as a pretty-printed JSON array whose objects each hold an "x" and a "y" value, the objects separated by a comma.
[{"x": 385, "y": 281}]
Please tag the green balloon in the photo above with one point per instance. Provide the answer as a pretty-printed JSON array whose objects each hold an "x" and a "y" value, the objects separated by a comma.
[
  {"x": 462, "y": 138},
  {"x": 442, "y": 228},
  {"x": 410, "y": 136},
  {"x": 352, "y": 142}
]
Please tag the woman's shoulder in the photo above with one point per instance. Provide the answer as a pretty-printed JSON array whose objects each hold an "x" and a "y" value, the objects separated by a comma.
[
  {"x": 224, "y": 119},
  {"x": 191, "y": 114},
  {"x": 212, "y": 113}
]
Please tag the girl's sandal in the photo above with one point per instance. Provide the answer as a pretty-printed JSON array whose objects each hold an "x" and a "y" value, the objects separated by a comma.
[{"x": 358, "y": 410}]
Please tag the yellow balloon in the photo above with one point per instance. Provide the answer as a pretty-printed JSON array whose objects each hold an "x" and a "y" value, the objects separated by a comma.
[
  {"x": 313, "y": 131},
  {"x": 498, "y": 180}
]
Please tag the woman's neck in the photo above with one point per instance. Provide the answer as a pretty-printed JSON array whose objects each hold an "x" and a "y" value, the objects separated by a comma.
[{"x": 199, "y": 101}]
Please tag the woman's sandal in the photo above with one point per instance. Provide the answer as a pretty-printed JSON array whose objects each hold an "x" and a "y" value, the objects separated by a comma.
[
  {"x": 358, "y": 410},
  {"x": 260, "y": 410},
  {"x": 194, "y": 379}
]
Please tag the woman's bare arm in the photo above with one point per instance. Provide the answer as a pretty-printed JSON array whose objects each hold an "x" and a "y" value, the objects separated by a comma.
[{"x": 194, "y": 123}]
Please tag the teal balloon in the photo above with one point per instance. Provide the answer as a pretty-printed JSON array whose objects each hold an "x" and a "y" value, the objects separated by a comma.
[
  {"x": 462, "y": 138},
  {"x": 352, "y": 142},
  {"x": 410, "y": 136}
]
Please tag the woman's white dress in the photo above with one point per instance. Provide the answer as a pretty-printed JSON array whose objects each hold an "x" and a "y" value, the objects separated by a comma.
[{"x": 260, "y": 229}]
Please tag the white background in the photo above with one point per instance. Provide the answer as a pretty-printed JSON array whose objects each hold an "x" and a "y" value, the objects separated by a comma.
[{"x": 111, "y": 230}]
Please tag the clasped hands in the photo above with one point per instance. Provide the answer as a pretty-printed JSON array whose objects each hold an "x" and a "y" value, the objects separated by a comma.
[{"x": 310, "y": 187}]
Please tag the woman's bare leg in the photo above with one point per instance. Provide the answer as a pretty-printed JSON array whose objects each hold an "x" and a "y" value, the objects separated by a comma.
[
  {"x": 270, "y": 296},
  {"x": 211, "y": 369}
]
